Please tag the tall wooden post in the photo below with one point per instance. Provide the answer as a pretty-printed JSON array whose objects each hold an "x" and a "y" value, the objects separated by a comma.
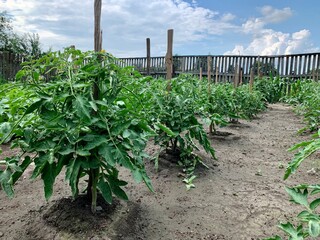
[
  {"x": 148, "y": 56},
  {"x": 200, "y": 74},
  {"x": 251, "y": 79},
  {"x": 97, "y": 39},
  {"x": 97, "y": 26},
  {"x": 236, "y": 77},
  {"x": 94, "y": 173},
  {"x": 169, "y": 58},
  {"x": 217, "y": 71},
  {"x": 209, "y": 61}
]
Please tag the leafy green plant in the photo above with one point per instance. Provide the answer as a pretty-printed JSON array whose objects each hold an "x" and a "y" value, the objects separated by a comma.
[
  {"x": 272, "y": 89},
  {"x": 226, "y": 103},
  {"x": 14, "y": 100},
  {"x": 90, "y": 134},
  {"x": 179, "y": 131}
]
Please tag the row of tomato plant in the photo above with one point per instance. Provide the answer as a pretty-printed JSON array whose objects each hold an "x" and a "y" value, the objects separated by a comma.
[
  {"x": 304, "y": 96},
  {"x": 82, "y": 112}
]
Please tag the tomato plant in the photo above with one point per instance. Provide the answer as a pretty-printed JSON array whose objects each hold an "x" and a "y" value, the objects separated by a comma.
[
  {"x": 89, "y": 137},
  {"x": 175, "y": 117}
]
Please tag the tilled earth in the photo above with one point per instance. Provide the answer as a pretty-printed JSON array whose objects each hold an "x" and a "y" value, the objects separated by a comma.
[{"x": 240, "y": 196}]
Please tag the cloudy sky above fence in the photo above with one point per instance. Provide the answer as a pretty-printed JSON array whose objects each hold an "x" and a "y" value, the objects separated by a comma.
[{"x": 200, "y": 26}]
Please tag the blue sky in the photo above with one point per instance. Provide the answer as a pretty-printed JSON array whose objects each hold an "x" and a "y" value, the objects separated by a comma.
[{"x": 201, "y": 27}]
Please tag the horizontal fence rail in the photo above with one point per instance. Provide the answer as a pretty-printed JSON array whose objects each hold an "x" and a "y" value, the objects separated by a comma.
[{"x": 225, "y": 67}]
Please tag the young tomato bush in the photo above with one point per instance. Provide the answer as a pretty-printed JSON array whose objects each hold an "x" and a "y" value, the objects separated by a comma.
[
  {"x": 90, "y": 134},
  {"x": 226, "y": 103},
  {"x": 175, "y": 118}
]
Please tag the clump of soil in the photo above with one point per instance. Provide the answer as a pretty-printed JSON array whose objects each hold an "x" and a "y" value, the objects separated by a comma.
[{"x": 240, "y": 197}]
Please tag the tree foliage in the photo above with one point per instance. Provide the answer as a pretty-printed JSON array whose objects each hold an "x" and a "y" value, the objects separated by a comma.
[{"x": 27, "y": 44}]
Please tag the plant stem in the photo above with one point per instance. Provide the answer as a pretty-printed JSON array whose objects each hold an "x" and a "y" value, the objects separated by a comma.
[
  {"x": 92, "y": 188},
  {"x": 211, "y": 128}
]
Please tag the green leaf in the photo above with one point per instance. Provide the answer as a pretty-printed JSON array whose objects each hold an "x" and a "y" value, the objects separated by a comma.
[
  {"x": 299, "y": 157},
  {"x": 143, "y": 125},
  {"x": 72, "y": 175},
  {"x": 120, "y": 127},
  {"x": 40, "y": 163},
  {"x": 314, "y": 204},
  {"x": 137, "y": 176},
  {"x": 20, "y": 74},
  {"x": 304, "y": 215},
  {"x": 5, "y": 182},
  {"x": 126, "y": 133},
  {"x": 147, "y": 181},
  {"x": 94, "y": 106},
  {"x": 314, "y": 228},
  {"x": 106, "y": 152},
  {"x": 48, "y": 178},
  {"x": 16, "y": 175},
  {"x": 81, "y": 105},
  {"x": 123, "y": 158},
  {"x": 83, "y": 153},
  {"x": 119, "y": 192},
  {"x": 298, "y": 197},
  {"x": 299, "y": 145},
  {"x": 291, "y": 231},
  {"x": 34, "y": 106},
  {"x": 66, "y": 151},
  {"x": 273, "y": 238},
  {"x": 105, "y": 190},
  {"x": 166, "y": 130},
  {"x": 96, "y": 142}
]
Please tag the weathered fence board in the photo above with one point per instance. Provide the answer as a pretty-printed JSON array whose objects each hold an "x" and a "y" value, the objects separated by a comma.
[{"x": 9, "y": 65}]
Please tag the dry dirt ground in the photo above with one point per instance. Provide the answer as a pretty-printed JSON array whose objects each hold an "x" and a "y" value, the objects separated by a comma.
[{"x": 241, "y": 196}]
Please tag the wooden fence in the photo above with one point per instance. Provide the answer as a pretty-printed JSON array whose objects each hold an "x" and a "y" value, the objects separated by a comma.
[
  {"x": 10, "y": 64},
  {"x": 223, "y": 68},
  {"x": 226, "y": 67}
]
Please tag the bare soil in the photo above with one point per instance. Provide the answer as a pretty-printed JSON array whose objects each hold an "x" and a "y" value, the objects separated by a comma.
[{"x": 240, "y": 196}]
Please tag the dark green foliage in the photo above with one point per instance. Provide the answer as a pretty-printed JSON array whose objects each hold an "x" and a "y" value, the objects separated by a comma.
[
  {"x": 179, "y": 130},
  {"x": 73, "y": 130}
]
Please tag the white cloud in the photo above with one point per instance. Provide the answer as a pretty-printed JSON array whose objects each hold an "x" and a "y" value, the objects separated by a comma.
[
  {"x": 273, "y": 15},
  {"x": 253, "y": 25},
  {"x": 270, "y": 42},
  {"x": 266, "y": 41},
  {"x": 126, "y": 23}
]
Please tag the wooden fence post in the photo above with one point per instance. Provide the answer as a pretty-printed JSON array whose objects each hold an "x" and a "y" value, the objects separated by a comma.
[
  {"x": 236, "y": 77},
  {"x": 97, "y": 26},
  {"x": 209, "y": 60},
  {"x": 251, "y": 79},
  {"x": 217, "y": 71},
  {"x": 200, "y": 74},
  {"x": 148, "y": 56},
  {"x": 169, "y": 60}
]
